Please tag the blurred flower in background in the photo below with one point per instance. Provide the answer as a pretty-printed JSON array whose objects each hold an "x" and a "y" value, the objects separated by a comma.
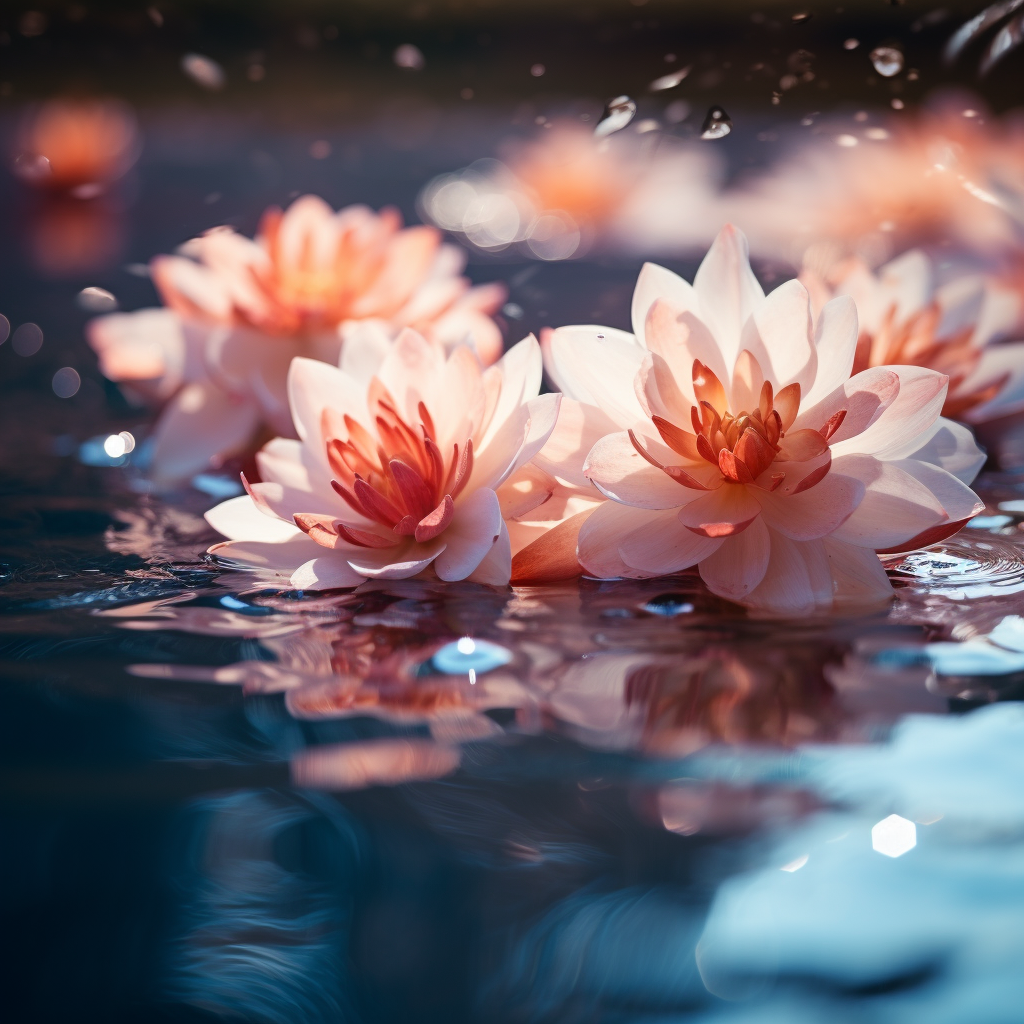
[
  {"x": 239, "y": 310},
  {"x": 948, "y": 176},
  {"x": 560, "y": 194},
  {"x": 77, "y": 146},
  {"x": 905, "y": 318}
]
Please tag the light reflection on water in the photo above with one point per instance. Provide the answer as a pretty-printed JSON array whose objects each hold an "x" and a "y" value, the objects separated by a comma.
[{"x": 576, "y": 802}]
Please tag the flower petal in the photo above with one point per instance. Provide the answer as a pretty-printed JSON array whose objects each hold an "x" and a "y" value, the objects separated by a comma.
[
  {"x": 495, "y": 569},
  {"x": 577, "y": 429},
  {"x": 314, "y": 386},
  {"x": 552, "y": 556},
  {"x": 280, "y": 556},
  {"x": 661, "y": 545},
  {"x": 952, "y": 447},
  {"x": 816, "y": 512},
  {"x": 725, "y": 511},
  {"x": 781, "y": 327},
  {"x": 864, "y": 398},
  {"x": 475, "y": 528},
  {"x": 654, "y": 283},
  {"x": 798, "y": 578},
  {"x": 739, "y": 564},
  {"x": 618, "y": 471},
  {"x": 680, "y": 338},
  {"x": 240, "y": 519},
  {"x": 398, "y": 563},
  {"x": 728, "y": 291},
  {"x": 835, "y": 340},
  {"x": 326, "y": 572},
  {"x": 600, "y": 536}
]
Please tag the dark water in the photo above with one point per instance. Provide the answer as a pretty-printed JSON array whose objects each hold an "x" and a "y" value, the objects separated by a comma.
[{"x": 600, "y": 802}]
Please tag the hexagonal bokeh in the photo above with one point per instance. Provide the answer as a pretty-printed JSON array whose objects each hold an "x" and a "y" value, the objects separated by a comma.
[{"x": 894, "y": 836}]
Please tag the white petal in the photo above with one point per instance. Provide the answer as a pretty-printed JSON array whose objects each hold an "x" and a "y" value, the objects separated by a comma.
[
  {"x": 597, "y": 366},
  {"x": 781, "y": 328},
  {"x": 398, "y": 563},
  {"x": 326, "y": 572},
  {"x": 956, "y": 498},
  {"x": 739, "y": 564},
  {"x": 858, "y": 577},
  {"x": 280, "y": 461},
  {"x": 728, "y": 291},
  {"x": 364, "y": 344},
  {"x": 655, "y": 283},
  {"x": 864, "y": 398},
  {"x": 952, "y": 447},
  {"x": 600, "y": 536},
  {"x": 314, "y": 386},
  {"x": 816, "y": 512},
  {"x": 835, "y": 338},
  {"x": 995, "y": 362},
  {"x": 201, "y": 423},
  {"x": 907, "y": 281},
  {"x": 475, "y": 528},
  {"x": 798, "y": 578},
  {"x": 281, "y": 556},
  {"x": 496, "y": 567},
  {"x": 240, "y": 519},
  {"x": 577, "y": 429}
]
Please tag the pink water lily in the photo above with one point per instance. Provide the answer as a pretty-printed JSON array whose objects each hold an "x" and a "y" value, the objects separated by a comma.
[
  {"x": 955, "y": 328},
  {"x": 238, "y": 310},
  {"x": 729, "y": 434},
  {"x": 396, "y": 476}
]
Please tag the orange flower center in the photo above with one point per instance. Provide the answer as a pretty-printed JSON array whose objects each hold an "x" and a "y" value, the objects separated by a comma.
[
  {"x": 399, "y": 479},
  {"x": 742, "y": 446}
]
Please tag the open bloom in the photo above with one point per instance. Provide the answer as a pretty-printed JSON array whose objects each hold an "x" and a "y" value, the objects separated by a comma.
[
  {"x": 238, "y": 310},
  {"x": 730, "y": 435},
  {"x": 905, "y": 319},
  {"x": 395, "y": 476},
  {"x": 946, "y": 174}
]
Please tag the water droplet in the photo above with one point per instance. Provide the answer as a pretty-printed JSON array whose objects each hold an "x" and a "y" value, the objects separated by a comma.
[
  {"x": 203, "y": 71},
  {"x": 96, "y": 300},
  {"x": 512, "y": 310},
  {"x": 668, "y": 605},
  {"x": 619, "y": 112},
  {"x": 888, "y": 61},
  {"x": 409, "y": 56},
  {"x": 27, "y": 340},
  {"x": 467, "y": 655},
  {"x": 669, "y": 81},
  {"x": 537, "y": 70},
  {"x": 851, "y": 44},
  {"x": 716, "y": 125},
  {"x": 66, "y": 382}
]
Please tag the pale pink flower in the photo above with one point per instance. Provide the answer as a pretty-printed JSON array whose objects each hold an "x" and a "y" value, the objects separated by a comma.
[
  {"x": 310, "y": 284},
  {"x": 948, "y": 174},
  {"x": 729, "y": 435},
  {"x": 396, "y": 476},
  {"x": 906, "y": 319}
]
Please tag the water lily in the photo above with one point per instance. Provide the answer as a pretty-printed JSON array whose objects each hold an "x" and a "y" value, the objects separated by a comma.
[
  {"x": 238, "y": 310},
  {"x": 395, "y": 476},
  {"x": 906, "y": 319},
  {"x": 729, "y": 434}
]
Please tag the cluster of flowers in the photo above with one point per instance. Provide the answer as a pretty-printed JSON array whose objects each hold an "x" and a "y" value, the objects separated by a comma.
[{"x": 779, "y": 442}]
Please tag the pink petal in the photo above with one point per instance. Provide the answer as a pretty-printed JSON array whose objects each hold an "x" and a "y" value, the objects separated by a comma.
[
  {"x": 325, "y": 572},
  {"x": 280, "y": 461},
  {"x": 654, "y": 283},
  {"x": 552, "y": 556},
  {"x": 911, "y": 414},
  {"x": 663, "y": 545},
  {"x": 680, "y": 338},
  {"x": 200, "y": 425},
  {"x": 952, "y": 447},
  {"x": 798, "y": 578},
  {"x": 728, "y": 291},
  {"x": 520, "y": 370},
  {"x": 495, "y": 570},
  {"x": 413, "y": 371},
  {"x": 658, "y": 393},
  {"x": 577, "y": 429},
  {"x": 399, "y": 563},
  {"x": 240, "y": 519},
  {"x": 723, "y": 512},
  {"x": 145, "y": 345},
  {"x": 364, "y": 345},
  {"x": 620, "y": 473},
  {"x": 835, "y": 340},
  {"x": 956, "y": 498},
  {"x": 815, "y": 512},
  {"x": 859, "y": 581},
  {"x": 525, "y": 490},
  {"x": 600, "y": 536},
  {"x": 864, "y": 397},
  {"x": 190, "y": 289},
  {"x": 997, "y": 361},
  {"x": 475, "y": 528},
  {"x": 739, "y": 564},
  {"x": 780, "y": 327},
  {"x": 895, "y": 507}
]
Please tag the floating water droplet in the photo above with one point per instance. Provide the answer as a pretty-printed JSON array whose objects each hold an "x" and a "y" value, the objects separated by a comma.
[
  {"x": 669, "y": 605},
  {"x": 512, "y": 310},
  {"x": 468, "y": 655},
  {"x": 96, "y": 300},
  {"x": 203, "y": 71},
  {"x": 619, "y": 112},
  {"x": 716, "y": 125},
  {"x": 66, "y": 382},
  {"x": 409, "y": 56},
  {"x": 669, "y": 81},
  {"x": 888, "y": 61}
]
